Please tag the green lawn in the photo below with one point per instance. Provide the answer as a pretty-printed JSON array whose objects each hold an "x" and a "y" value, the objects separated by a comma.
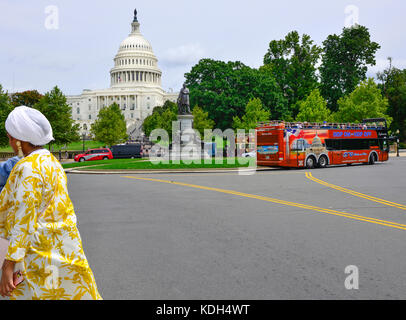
[
  {"x": 136, "y": 164},
  {"x": 100, "y": 162}
]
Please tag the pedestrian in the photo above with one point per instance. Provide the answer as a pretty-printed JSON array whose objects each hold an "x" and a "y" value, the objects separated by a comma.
[
  {"x": 5, "y": 170},
  {"x": 38, "y": 219}
]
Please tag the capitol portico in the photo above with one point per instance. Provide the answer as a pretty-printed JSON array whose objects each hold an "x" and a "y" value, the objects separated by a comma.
[{"x": 135, "y": 85}]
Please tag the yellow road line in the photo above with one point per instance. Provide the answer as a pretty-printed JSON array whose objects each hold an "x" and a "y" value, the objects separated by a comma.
[
  {"x": 283, "y": 202},
  {"x": 356, "y": 194},
  {"x": 234, "y": 173}
]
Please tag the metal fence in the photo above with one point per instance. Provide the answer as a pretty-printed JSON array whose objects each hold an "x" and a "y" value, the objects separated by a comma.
[{"x": 63, "y": 155}]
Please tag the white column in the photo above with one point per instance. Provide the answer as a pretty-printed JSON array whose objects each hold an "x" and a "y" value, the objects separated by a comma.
[{"x": 139, "y": 106}]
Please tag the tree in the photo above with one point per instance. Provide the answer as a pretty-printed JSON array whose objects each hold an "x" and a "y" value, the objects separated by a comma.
[
  {"x": 110, "y": 126},
  {"x": 161, "y": 118},
  {"x": 150, "y": 123},
  {"x": 165, "y": 121},
  {"x": 292, "y": 61},
  {"x": 5, "y": 109},
  {"x": 26, "y": 98},
  {"x": 224, "y": 88},
  {"x": 54, "y": 107},
  {"x": 394, "y": 89},
  {"x": 366, "y": 101},
  {"x": 201, "y": 120},
  {"x": 345, "y": 61},
  {"x": 313, "y": 108},
  {"x": 254, "y": 113}
]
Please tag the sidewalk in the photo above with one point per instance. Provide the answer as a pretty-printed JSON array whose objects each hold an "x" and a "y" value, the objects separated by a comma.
[{"x": 402, "y": 153}]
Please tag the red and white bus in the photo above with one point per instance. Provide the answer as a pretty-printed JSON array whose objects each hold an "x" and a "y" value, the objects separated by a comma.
[{"x": 309, "y": 145}]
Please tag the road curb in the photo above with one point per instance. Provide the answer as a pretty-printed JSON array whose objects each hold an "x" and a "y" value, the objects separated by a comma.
[{"x": 243, "y": 170}]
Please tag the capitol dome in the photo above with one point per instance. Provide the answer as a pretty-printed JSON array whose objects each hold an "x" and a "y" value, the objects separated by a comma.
[
  {"x": 135, "y": 86},
  {"x": 135, "y": 64},
  {"x": 316, "y": 141},
  {"x": 135, "y": 42}
]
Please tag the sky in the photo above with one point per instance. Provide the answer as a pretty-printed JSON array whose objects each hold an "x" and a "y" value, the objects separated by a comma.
[{"x": 71, "y": 43}]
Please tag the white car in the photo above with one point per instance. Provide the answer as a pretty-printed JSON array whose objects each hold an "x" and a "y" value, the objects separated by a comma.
[{"x": 251, "y": 154}]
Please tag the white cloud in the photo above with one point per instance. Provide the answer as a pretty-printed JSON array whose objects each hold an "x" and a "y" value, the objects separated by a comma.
[
  {"x": 382, "y": 64},
  {"x": 183, "y": 55}
]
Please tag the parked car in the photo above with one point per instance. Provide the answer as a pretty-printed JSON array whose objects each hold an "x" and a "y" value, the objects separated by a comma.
[
  {"x": 94, "y": 154},
  {"x": 131, "y": 150},
  {"x": 249, "y": 154}
]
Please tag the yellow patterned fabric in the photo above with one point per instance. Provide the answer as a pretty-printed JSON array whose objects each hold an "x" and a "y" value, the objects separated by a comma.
[{"x": 37, "y": 217}]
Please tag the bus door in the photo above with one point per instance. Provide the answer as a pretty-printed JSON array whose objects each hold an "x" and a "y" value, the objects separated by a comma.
[
  {"x": 300, "y": 153},
  {"x": 336, "y": 152},
  {"x": 384, "y": 147},
  {"x": 337, "y": 156}
]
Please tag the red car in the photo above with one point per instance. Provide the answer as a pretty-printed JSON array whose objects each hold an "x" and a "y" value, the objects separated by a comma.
[{"x": 95, "y": 154}]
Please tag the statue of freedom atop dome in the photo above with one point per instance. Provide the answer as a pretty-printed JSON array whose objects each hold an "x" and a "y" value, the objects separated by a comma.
[
  {"x": 135, "y": 16},
  {"x": 183, "y": 101}
]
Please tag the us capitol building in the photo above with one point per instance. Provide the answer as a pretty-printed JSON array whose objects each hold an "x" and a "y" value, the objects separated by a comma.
[{"x": 135, "y": 85}]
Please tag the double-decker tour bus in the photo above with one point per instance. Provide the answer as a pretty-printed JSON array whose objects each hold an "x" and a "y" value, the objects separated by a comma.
[{"x": 309, "y": 145}]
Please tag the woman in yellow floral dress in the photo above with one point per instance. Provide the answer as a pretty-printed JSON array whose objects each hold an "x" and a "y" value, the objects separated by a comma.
[{"x": 38, "y": 219}]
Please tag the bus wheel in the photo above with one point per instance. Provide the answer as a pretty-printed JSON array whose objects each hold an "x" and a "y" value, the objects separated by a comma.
[
  {"x": 310, "y": 162},
  {"x": 372, "y": 158},
  {"x": 322, "y": 162}
]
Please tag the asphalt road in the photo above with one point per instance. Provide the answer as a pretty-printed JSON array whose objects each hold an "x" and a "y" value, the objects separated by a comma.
[{"x": 229, "y": 236}]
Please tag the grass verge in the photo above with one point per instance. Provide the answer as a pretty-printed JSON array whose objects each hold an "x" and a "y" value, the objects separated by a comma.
[
  {"x": 136, "y": 164},
  {"x": 98, "y": 163}
]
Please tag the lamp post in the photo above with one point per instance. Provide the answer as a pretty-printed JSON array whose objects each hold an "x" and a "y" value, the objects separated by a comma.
[
  {"x": 397, "y": 143},
  {"x": 83, "y": 140}
]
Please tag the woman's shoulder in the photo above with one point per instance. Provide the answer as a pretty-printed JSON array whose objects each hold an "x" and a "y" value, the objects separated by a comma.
[{"x": 35, "y": 162}]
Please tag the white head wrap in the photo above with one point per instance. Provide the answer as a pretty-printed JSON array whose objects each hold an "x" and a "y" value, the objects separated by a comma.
[{"x": 28, "y": 124}]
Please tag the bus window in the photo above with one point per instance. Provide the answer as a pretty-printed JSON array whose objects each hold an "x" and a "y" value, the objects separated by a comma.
[
  {"x": 333, "y": 144},
  {"x": 373, "y": 142},
  {"x": 354, "y": 144}
]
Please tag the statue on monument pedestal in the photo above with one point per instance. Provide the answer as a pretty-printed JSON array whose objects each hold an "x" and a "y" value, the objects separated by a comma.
[{"x": 183, "y": 101}]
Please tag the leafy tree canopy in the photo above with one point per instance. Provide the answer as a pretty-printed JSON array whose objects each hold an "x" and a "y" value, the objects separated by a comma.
[
  {"x": 201, "y": 120},
  {"x": 394, "y": 89},
  {"x": 366, "y": 101},
  {"x": 224, "y": 88},
  {"x": 5, "y": 109},
  {"x": 161, "y": 118},
  {"x": 292, "y": 61},
  {"x": 54, "y": 107},
  {"x": 254, "y": 113},
  {"x": 26, "y": 98},
  {"x": 313, "y": 108},
  {"x": 345, "y": 61},
  {"x": 110, "y": 126}
]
